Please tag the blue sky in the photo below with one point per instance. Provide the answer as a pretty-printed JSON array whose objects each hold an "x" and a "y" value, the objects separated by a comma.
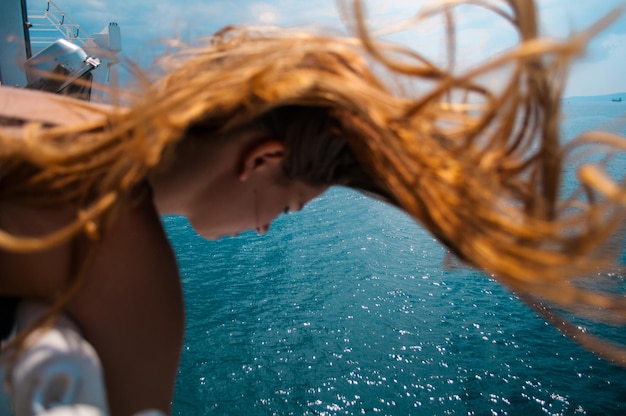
[{"x": 145, "y": 22}]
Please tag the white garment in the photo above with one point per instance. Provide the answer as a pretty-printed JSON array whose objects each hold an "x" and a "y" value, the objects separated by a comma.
[
  {"x": 58, "y": 370},
  {"x": 58, "y": 375}
]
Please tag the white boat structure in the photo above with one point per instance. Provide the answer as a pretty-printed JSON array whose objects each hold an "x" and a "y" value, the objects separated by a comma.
[{"x": 43, "y": 48}]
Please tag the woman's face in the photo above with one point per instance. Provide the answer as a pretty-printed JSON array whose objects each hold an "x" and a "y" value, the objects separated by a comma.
[
  {"x": 228, "y": 189},
  {"x": 252, "y": 208}
]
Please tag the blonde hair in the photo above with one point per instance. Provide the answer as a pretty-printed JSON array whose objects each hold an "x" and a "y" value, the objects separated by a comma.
[{"x": 479, "y": 167}]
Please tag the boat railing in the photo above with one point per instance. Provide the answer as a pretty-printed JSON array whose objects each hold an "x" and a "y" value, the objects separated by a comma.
[{"x": 49, "y": 24}]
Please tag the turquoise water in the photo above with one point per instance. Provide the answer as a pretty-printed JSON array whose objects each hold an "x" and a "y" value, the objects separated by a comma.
[{"x": 345, "y": 308}]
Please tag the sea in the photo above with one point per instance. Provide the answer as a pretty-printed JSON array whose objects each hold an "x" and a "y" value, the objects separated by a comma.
[{"x": 347, "y": 308}]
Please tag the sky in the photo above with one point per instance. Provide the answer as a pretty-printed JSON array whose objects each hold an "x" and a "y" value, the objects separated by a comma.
[{"x": 146, "y": 23}]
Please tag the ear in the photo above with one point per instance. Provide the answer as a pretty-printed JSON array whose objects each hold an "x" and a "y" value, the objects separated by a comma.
[{"x": 266, "y": 155}]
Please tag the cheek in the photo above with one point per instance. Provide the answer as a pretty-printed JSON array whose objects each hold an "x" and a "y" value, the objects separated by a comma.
[
  {"x": 230, "y": 214},
  {"x": 270, "y": 205}
]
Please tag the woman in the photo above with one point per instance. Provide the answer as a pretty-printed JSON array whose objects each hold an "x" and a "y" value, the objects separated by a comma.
[{"x": 260, "y": 122}]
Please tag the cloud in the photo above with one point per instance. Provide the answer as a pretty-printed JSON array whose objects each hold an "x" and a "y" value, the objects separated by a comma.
[
  {"x": 292, "y": 13},
  {"x": 561, "y": 18},
  {"x": 615, "y": 44},
  {"x": 265, "y": 13}
]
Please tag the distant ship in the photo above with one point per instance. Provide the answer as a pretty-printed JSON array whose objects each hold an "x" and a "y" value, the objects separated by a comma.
[{"x": 617, "y": 100}]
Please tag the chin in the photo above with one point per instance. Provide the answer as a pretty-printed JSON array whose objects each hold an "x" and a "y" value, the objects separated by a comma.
[
  {"x": 213, "y": 234},
  {"x": 209, "y": 235},
  {"x": 217, "y": 236}
]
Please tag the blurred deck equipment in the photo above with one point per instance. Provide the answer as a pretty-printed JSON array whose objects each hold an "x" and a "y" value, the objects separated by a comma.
[{"x": 43, "y": 48}]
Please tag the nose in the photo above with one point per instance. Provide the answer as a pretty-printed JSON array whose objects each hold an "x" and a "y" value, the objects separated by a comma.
[{"x": 262, "y": 229}]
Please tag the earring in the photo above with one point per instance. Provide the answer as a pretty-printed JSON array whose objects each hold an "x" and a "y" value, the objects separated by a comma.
[{"x": 256, "y": 210}]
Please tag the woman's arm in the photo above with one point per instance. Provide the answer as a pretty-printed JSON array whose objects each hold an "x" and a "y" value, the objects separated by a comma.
[{"x": 130, "y": 307}]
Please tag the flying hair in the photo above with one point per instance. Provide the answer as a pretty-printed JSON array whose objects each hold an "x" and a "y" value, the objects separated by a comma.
[{"x": 479, "y": 166}]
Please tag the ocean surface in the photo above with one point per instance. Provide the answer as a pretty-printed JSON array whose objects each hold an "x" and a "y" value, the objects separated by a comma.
[{"x": 346, "y": 309}]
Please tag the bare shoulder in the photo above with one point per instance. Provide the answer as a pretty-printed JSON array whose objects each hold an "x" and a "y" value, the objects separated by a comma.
[
  {"x": 131, "y": 309},
  {"x": 134, "y": 247},
  {"x": 133, "y": 259}
]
